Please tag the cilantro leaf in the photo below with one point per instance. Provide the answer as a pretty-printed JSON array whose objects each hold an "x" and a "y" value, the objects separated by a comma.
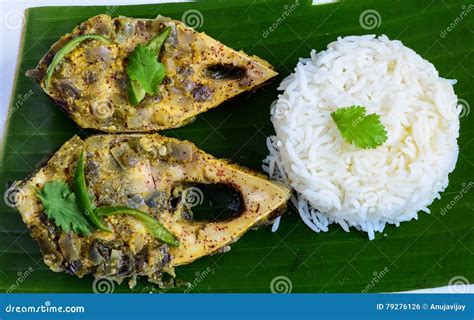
[
  {"x": 365, "y": 131},
  {"x": 60, "y": 204},
  {"x": 144, "y": 67}
]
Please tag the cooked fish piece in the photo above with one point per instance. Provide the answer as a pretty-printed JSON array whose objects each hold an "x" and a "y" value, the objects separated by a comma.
[
  {"x": 157, "y": 175},
  {"x": 90, "y": 82}
]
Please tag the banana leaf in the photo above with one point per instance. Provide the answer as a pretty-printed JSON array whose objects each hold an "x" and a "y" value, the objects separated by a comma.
[{"x": 435, "y": 250}]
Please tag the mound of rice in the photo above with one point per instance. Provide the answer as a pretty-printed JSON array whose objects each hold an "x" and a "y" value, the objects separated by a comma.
[{"x": 336, "y": 182}]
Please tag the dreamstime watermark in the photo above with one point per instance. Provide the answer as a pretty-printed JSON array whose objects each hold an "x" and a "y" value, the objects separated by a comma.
[
  {"x": 109, "y": 10},
  {"x": 465, "y": 108},
  {"x": 22, "y": 276},
  {"x": 369, "y": 197},
  {"x": 14, "y": 19},
  {"x": 458, "y": 284},
  {"x": 465, "y": 188},
  {"x": 193, "y": 18},
  {"x": 281, "y": 284},
  {"x": 47, "y": 307},
  {"x": 377, "y": 276},
  {"x": 370, "y": 19},
  {"x": 280, "y": 109},
  {"x": 193, "y": 197},
  {"x": 102, "y": 110},
  {"x": 103, "y": 285},
  {"x": 287, "y": 10},
  {"x": 357, "y": 121},
  {"x": 200, "y": 276},
  {"x": 19, "y": 101},
  {"x": 14, "y": 196},
  {"x": 466, "y": 10}
]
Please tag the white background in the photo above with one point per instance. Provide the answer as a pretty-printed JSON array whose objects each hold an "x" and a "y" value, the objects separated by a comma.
[{"x": 10, "y": 31}]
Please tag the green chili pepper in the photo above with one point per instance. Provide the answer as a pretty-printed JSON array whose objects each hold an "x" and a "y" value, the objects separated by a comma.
[
  {"x": 157, "y": 41},
  {"x": 68, "y": 47},
  {"x": 152, "y": 224},
  {"x": 82, "y": 196}
]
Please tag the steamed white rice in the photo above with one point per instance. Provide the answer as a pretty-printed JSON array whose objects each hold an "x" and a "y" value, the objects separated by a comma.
[{"x": 336, "y": 182}]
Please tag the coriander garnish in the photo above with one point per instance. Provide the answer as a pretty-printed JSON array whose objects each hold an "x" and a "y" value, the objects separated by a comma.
[{"x": 364, "y": 131}]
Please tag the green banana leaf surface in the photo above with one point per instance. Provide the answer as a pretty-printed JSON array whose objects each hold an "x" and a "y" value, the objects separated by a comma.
[{"x": 435, "y": 250}]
